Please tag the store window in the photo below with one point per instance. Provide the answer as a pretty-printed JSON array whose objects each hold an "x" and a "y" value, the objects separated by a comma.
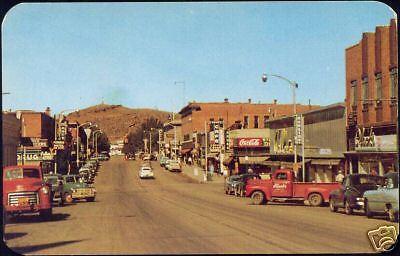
[
  {"x": 255, "y": 121},
  {"x": 393, "y": 83},
  {"x": 246, "y": 122},
  {"x": 378, "y": 86},
  {"x": 266, "y": 118}
]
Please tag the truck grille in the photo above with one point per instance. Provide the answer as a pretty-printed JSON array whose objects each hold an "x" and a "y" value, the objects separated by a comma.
[{"x": 13, "y": 197}]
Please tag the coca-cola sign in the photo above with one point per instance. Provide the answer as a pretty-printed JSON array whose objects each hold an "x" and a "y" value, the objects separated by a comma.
[{"x": 250, "y": 142}]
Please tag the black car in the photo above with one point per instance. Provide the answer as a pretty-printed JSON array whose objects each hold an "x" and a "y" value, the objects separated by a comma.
[
  {"x": 240, "y": 186},
  {"x": 350, "y": 195},
  {"x": 230, "y": 183},
  {"x": 55, "y": 182}
]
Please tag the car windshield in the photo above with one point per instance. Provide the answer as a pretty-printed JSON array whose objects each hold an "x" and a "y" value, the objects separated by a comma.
[
  {"x": 52, "y": 180},
  {"x": 70, "y": 179},
  {"x": 20, "y": 173},
  {"x": 368, "y": 180}
]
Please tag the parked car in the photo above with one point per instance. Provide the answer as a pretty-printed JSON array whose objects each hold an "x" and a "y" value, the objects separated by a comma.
[
  {"x": 146, "y": 157},
  {"x": 24, "y": 191},
  {"x": 283, "y": 187},
  {"x": 146, "y": 172},
  {"x": 384, "y": 200},
  {"x": 350, "y": 194},
  {"x": 230, "y": 183},
  {"x": 174, "y": 165},
  {"x": 240, "y": 185},
  {"x": 163, "y": 160},
  {"x": 75, "y": 189},
  {"x": 167, "y": 162},
  {"x": 56, "y": 184}
]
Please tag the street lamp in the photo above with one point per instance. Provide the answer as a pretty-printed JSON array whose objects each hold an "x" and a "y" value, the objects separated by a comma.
[
  {"x": 294, "y": 86},
  {"x": 77, "y": 141}
]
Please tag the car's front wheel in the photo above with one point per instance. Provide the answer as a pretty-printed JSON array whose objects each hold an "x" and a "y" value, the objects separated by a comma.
[
  {"x": 90, "y": 199},
  {"x": 332, "y": 206},
  {"x": 258, "y": 198},
  {"x": 347, "y": 208}
]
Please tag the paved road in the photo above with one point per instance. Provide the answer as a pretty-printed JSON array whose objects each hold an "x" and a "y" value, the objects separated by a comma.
[{"x": 173, "y": 214}]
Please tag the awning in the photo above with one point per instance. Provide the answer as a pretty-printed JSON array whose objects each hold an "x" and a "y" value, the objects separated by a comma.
[
  {"x": 253, "y": 159},
  {"x": 283, "y": 163},
  {"x": 185, "y": 151},
  {"x": 325, "y": 161}
]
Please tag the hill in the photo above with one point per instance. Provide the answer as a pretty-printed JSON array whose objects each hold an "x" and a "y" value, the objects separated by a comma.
[{"x": 115, "y": 120}]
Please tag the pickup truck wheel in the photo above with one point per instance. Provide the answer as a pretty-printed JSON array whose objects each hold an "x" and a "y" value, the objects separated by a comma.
[
  {"x": 45, "y": 214},
  {"x": 89, "y": 199},
  {"x": 315, "y": 199},
  {"x": 68, "y": 198},
  {"x": 258, "y": 198},
  {"x": 393, "y": 217},
  {"x": 347, "y": 209},
  {"x": 367, "y": 211},
  {"x": 332, "y": 206}
]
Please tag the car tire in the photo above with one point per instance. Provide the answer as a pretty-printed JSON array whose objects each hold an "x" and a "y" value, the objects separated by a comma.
[
  {"x": 258, "y": 198},
  {"x": 315, "y": 199},
  {"x": 393, "y": 216},
  {"x": 68, "y": 198},
  {"x": 332, "y": 206},
  {"x": 45, "y": 214},
  {"x": 367, "y": 211},
  {"x": 347, "y": 208}
]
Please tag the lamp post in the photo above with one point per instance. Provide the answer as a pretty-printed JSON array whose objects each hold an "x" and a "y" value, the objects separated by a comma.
[
  {"x": 95, "y": 139},
  {"x": 77, "y": 141},
  {"x": 151, "y": 129},
  {"x": 294, "y": 86}
]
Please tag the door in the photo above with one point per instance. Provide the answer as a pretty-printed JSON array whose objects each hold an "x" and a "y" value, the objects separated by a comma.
[{"x": 281, "y": 187}]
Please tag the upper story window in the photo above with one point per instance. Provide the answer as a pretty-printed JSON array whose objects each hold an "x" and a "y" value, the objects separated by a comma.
[
  {"x": 353, "y": 93},
  {"x": 246, "y": 122},
  {"x": 378, "y": 86},
  {"x": 266, "y": 118},
  {"x": 365, "y": 88},
  {"x": 255, "y": 121},
  {"x": 393, "y": 83}
]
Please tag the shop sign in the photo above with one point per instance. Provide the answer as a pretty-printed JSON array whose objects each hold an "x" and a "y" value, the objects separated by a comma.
[
  {"x": 30, "y": 155},
  {"x": 282, "y": 142},
  {"x": 325, "y": 151},
  {"x": 250, "y": 142},
  {"x": 58, "y": 144},
  {"x": 38, "y": 142},
  {"x": 368, "y": 141}
]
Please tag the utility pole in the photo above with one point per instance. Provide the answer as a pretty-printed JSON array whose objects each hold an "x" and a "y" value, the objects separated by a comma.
[{"x": 205, "y": 151}]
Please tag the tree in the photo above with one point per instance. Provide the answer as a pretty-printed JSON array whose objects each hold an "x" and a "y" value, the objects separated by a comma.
[{"x": 135, "y": 138}]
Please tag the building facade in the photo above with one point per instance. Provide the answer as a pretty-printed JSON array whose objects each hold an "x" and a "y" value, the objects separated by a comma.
[
  {"x": 371, "y": 101},
  {"x": 11, "y": 128}
]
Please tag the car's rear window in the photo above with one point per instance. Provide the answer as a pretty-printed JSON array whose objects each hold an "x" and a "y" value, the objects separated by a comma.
[{"x": 20, "y": 173}]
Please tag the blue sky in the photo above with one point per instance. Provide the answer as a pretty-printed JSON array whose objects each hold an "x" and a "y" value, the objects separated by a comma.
[{"x": 74, "y": 55}]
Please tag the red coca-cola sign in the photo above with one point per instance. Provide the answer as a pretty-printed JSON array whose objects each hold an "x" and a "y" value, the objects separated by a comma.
[{"x": 250, "y": 142}]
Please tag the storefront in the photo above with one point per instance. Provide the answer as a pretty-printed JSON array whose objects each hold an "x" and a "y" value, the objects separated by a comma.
[{"x": 251, "y": 153}]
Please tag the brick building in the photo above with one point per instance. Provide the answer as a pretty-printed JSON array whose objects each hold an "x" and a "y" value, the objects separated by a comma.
[
  {"x": 371, "y": 101},
  {"x": 11, "y": 129},
  {"x": 251, "y": 115}
]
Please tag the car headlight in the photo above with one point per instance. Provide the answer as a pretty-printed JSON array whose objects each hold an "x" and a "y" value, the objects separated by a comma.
[
  {"x": 359, "y": 199},
  {"x": 73, "y": 190},
  {"x": 45, "y": 190}
]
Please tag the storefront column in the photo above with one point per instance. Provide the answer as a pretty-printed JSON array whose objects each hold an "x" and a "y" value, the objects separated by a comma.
[
  {"x": 381, "y": 169},
  {"x": 351, "y": 166}
]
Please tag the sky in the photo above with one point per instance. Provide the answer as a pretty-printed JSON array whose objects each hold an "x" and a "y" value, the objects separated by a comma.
[{"x": 70, "y": 56}]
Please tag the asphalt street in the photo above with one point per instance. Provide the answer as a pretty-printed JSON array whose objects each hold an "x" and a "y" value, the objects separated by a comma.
[{"x": 174, "y": 214}]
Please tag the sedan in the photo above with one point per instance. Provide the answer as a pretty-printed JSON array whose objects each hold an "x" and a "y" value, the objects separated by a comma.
[{"x": 146, "y": 172}]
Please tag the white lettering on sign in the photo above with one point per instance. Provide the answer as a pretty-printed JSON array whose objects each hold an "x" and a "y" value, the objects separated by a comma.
[
  {"x": 250, "y": 142},
  {"x": 279, "y": 186}
]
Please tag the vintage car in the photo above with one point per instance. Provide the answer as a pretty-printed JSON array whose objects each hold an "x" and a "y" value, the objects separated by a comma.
[
  {"x": 55, "y": 181},
  {"x": 240, "y": 185},
  {"x": 230, "y": 184},
  {"x": 350, "y": 194},
  {"x": 24, "y": 191},
  {"x": 384, "y": 200},
  {"x": 163, "y": 160},
  {"x": 75, "y": 189},
  {"x": 146, "y": 172},
  {"x": 174, "y": 165}
]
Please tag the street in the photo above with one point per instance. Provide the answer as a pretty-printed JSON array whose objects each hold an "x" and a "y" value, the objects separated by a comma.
[{"x": 174, "y": 214}]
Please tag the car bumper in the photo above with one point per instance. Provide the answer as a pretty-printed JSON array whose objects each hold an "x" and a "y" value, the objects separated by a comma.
[{"x": 24, "y": 209}]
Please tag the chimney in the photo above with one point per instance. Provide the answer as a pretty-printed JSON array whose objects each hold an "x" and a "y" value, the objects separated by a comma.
[
  {"x": 48, "y": 111},
  {"x": 249, "y": 101},
  {"x": 275, "y": 101},
  {"x": 309, "y": 103},
  {"x": 226, "y": 100}
]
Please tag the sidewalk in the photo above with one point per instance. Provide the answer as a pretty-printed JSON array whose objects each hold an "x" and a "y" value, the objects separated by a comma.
[{"x": 189, "y": 170}]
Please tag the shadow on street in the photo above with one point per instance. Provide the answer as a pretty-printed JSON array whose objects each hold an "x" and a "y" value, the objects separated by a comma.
[
  {"x": 33, "y": 248},
  {"x": 36, "y": 218},
  {"x": 9, "y": 236}
]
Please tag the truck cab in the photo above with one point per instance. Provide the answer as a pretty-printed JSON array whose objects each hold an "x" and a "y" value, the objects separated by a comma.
[{"x": 24, "y": 191}]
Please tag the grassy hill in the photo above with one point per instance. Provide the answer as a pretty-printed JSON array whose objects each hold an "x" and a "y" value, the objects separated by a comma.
[{"x": 115, "y": 120}]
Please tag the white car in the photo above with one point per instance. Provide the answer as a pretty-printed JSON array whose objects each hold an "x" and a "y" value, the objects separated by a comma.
[{"x": 146, "y": 172}]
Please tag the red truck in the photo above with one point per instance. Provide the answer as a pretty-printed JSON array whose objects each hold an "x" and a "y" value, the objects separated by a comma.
[
  {"x": 24, "y": 191},
  {"x": 283, "y": 186}
]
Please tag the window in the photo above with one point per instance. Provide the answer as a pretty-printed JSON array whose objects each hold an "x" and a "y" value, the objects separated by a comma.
[
  {"x": 365, "y": 88},
  {"x": 378, "y": 85},
  {"x": 393, "y": 83},
  {"x": 245, "y": 122},
  {"x": 353, "y": 93},
  {"x": 281, "y": 176},
  {"x": 266, "y": 118},
  {"x": 255, "y": 121}
]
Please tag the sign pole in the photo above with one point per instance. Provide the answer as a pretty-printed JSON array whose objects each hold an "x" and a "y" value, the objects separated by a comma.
[
  {"x": 205, "y": 151},
  {"x": 302, "y": 148}
]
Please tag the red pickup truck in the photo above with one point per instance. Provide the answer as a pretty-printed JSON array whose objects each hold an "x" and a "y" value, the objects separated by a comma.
[
  {"x": 283, "y": 186},
  {"x": 24, "y": 191}
]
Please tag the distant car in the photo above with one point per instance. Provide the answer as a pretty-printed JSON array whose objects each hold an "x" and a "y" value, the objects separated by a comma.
[
  {"x": 384, "y": 200},
  {"x": 174, "y": 165},
  {"x": 167, "y": 162},
  {"x": 240, "y": 185},
  {"x": 230, "y": 184},
  {"x": 146, "y": 157},
  {"x": 163, "y": 160},
  {"x": 350, "y": 195},
  {"x": 146, "y": 172},
  {"x": 75, "y": 189}
]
